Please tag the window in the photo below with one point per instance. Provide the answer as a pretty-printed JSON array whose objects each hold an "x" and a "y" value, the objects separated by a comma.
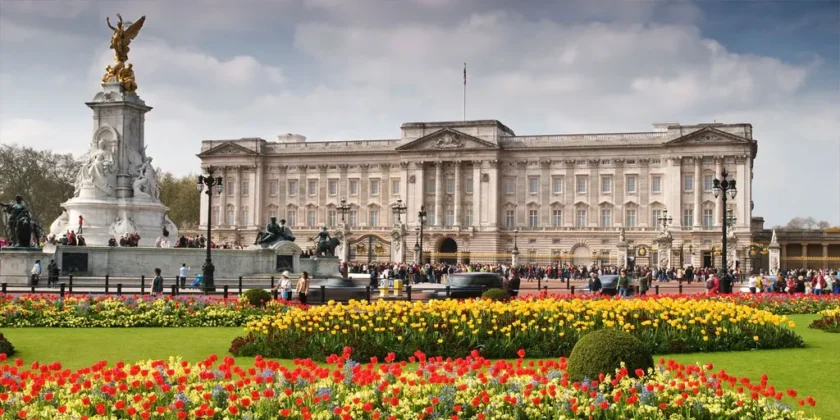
[
  {"x": 688, "y": 183},
  {"x": 217, "y": 217},
  {"x": 331, "y": 218},
  {"x": 354, "y": 187},
  {"x": 246, "y": 187},
  {"x": 293, "y": 187},
  {"x": 373, "y": 217},
  {"x": 581, "y": 184},
  {"x": 708, "y": 182},
  {"x": 450, "y": 185},
  {"x": 468, "y": 185},
  {"x": 292, "y": 217},
  {"x": 332, "y": 186},
  {"x": 374, "y": 187},
  {"x": 606, "y": 218},
  {"x": 533, "y": 185},
  {"x": 580, "y": 220},
  {"x": 430, "y": 217},
  {"x": 729, "y": 160},
  {"x": 510, "y": 219},
  {"x": 311, "y": 218},
  {"x": 272, "y": 212},
  {"x": 630, "y": 217},
  {"x": 557, "y": 185},
  {"x": 656, "y": 184},
  {"x": 430, "y": 186},
  {"x": 606, "y": 185},
  {"x": 468, "y": 218},
  {"x": 557, "y": 218},
  {"x": 244, "y": 216},
  {"x": 395, "y": 186},
  {"x": 688, "y": 216},
  {"x": 510, "y": 185},
  {"x": 655, "y": 214},
  {"x": 352, "y": 218},
  {"x": 230, "y": 188},
  {"x": 272, "y": 188},
  {"x": 630, "y": 184},
  {"x": 533, "y": 218},
  {"x": 708, "y": 217},
  {"x": 229, "y": 216},
  {"x": 312, "y": 187},
  {"x": 449, "y": 220}
]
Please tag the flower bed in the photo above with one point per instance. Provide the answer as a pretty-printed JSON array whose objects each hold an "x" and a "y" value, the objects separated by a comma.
[
  {"x": 830, "y": 321},
  {"x": 468, "y": 388},
  {"x": 544, "y": 327},
  {"x": 129, "y": 311}
]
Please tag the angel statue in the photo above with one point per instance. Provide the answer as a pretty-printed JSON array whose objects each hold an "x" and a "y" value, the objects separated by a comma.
[{"x": 120, "y": 41}]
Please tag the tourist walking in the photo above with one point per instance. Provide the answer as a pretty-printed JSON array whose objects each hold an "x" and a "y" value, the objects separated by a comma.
[
  {"x": 36, "y": 273},
  {"x": 285, "y": 286},
  {"x": 302, "y": 288},
  {"x": 644, "y": 283},
  {"x": 623, "y": 283},
  {"x": 183, "y": 273},
  {"x": 81, "y": 224},
  {"x": 594, "y": 283},
  {"x": 52, "y": 273},
  {"x": 157, "y": 284}
]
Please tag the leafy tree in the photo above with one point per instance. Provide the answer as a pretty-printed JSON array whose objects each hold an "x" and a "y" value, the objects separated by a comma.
[
  {"x": 179, "y": 194},
  {"x": 801, "y": 223},
  {"x": 44, "y": 179}
]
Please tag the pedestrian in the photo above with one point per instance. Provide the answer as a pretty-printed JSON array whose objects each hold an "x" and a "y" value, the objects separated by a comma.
[
  {"x": 52, "y": 274},
  {"x": 183, "y": 273},
  {"x": 302, "y": 287},
  {"x": 644, "y": 283},
  {"x": 36, "y": 273},
  {"x": 594, "y": 283},
  {"x": 284, "y": 286},
  {"x": 81, "y": 224},
  {"x": 157, "y": 284},
  {"x": 623, "y": 283}
]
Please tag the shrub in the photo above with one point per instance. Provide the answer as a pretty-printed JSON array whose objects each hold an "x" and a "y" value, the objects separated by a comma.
[
  {"x": 829, "y": 322},
  {"x": 603, "y": 351},
  {"x": 494, "y": 294},
  {"x": 257, "y": 297},
  {"x": 6, "y": 347}
]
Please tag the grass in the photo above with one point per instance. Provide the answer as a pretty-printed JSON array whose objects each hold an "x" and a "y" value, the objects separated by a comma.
[{"x": 812, "y": 371}]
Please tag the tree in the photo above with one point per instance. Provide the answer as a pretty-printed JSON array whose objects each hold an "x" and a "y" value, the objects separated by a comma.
[
  {"x": 806, "y": 223},
  {"x": 179, "y": 194},
  {"x": 44, "y": 179}
]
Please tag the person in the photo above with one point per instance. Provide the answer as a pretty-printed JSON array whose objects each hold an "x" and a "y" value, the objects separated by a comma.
[
  {"x": 36, "y": 272},
  {"x": 594, "y": 283},
  {"x": 623, "y": 283},
  {"x": 713, "y": 284},
  {"x": 52, "y": 273},
  {"x": 81, "y": 224},
  {"x": 285, "y": 286},
  {"x": 302, "y": 288},
  {"x": 183, "y": 273},
  {"x": 644, "y": 283},
  {"x": 513, "y": 285},
  {"x": 157, "y": 284},
  {"x": 752, "y": 283}
]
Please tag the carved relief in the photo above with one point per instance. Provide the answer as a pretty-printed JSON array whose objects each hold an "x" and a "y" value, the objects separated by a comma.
[
  {"x": 411, "y": 179},
  {"x": 485, "y": 177},
  {"x": 449, "y": 141}
]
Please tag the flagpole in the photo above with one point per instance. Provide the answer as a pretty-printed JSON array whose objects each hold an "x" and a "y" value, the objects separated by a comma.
[{"x": 465, "y": 93}]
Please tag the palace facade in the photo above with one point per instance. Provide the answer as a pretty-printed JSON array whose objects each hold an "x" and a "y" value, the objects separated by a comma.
[{"x": 487, "y": 191}]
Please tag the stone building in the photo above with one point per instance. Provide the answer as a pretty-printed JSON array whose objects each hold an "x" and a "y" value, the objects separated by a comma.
[{"x": 486, "y": 190}]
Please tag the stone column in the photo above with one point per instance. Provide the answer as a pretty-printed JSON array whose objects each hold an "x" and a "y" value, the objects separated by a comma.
[
  {"x": 223, "y": 197},
  {"x": 775, "y": 257},
  {"x": 545, "y": 193},
  {"x": 493, "y": 200},
  {"x": 476, "y": 198},
  {"x": 741, "y": 211},
  {"x": 824, "y": 263},
  {"x": 387, "y": 218},
  {"x": 569, "y": 194},
  {"x": 784, "y": 256},
  {"x": 673, "y": 195},
  {"x": 619, "y": 193},
  {"x": 438, "y": 193},
  {"x": 259, "y": 191},
  {"x": 281, "y": 192},
  {"x": 698, "y": 192},
  {"x": 364, "y": 198},
  {"x": 419, "y": 191},
  {"x": 718, "y": 201},
  {"x": 458, "y": 193},
  {"x": 643, "y": 188},
  {"x": 342, "y": 183},
  {"x": 238, "y": 198},
  {"x": 804, "y": 255},
  {"x": 323, "y": 186},
  {"x": 593, "y": 191},
  {"x": 303, "y": 190}
]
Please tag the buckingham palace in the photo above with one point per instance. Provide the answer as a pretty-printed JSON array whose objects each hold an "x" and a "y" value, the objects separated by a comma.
[{"x": 487, "y": 191}]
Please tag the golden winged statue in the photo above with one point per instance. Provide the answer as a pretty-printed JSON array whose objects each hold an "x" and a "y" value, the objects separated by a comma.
[{"x": 120, "y": 41}]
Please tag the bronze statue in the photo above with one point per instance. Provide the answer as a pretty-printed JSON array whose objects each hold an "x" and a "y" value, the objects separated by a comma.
[
  {"x": 274, "y": 232},
  {"x": 326, "y": 245},
  {"x": 120, "y": 41},
  {"x": 20, "y": 225}
]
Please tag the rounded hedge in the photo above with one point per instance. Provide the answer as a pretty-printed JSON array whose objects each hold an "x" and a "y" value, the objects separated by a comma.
[
  {"x": 257, "y": 297},
  {"x": 6, "y": 347},
  {"x": 494, "y": 294},
  {"x": 603, "y": 351}
]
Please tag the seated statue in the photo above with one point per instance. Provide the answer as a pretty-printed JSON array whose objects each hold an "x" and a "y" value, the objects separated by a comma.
[
  {"x": 274, "y": 232},
  {"x": 326, "y": 245}
]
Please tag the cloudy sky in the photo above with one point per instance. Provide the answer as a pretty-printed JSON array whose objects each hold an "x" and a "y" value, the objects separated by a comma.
[{"x": 357, "y": 69}]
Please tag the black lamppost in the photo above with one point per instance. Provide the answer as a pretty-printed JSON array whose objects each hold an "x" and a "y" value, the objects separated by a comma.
[
  {"x": 399, "y": 209},
  {"x": 206, "y": 184},
  {"x": 418, "y": 248},
  {"x": 343, "y": 209},
  {"x": 515, "y": 234},
  {"x": 724, "y": 185},
  {"x": 665, "y": 220}
]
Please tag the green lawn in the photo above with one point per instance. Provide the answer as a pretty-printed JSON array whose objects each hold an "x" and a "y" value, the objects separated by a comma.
[{"x": 812, "y": 371}]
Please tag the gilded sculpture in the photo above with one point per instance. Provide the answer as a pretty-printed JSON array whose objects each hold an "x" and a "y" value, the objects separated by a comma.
[{"x": 120, "y": 41}]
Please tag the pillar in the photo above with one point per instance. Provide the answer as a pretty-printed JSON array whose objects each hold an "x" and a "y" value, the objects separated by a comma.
[
  {"x": 458, "y": 193},
  {"x": 619, "y": 192},
  {"x": 719, "y": 215},
  {"x": 364, "y": 181},
  {"x": 281, "y": 192},
  {"x": 438, "y": 193},
  {"x": 804, "y": 255},
  {"x": 237, "y": 206},
  {"x": 323, "y": 187},
  {"x": 223, "y": 197},
  {"x": 824, "y": 263},
  {"x": 476, "y": 198},
  {"x": 493, "y": 200},
  {"x": 698, "y": 192}
]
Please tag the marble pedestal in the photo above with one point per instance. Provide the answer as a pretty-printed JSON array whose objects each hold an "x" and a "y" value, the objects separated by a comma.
[
  {"x": 321, "y": 267},
  {"x": 16, "y": 265},
  {"x": 111, "y": 218}
]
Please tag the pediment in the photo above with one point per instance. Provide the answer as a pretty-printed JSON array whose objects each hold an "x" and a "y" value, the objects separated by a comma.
[
  {"x": 447, "y": 139},
  {"x": 227, "y": 149},
  {"x": 581, "y": 203},
  {"x": 708, "y": 135}
]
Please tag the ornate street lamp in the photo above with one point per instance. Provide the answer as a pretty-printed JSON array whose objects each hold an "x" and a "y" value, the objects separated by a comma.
[
  {"x": 727, "y": 187},
  {"x": 665, "y": 220},
  {"x": 399, "y": 209},
  {"x": 421, "y": 217},
  {"x": 515, "y": 234},
  {"x": 206, "y": 184},
  {"x": 343, "y": 209}
]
